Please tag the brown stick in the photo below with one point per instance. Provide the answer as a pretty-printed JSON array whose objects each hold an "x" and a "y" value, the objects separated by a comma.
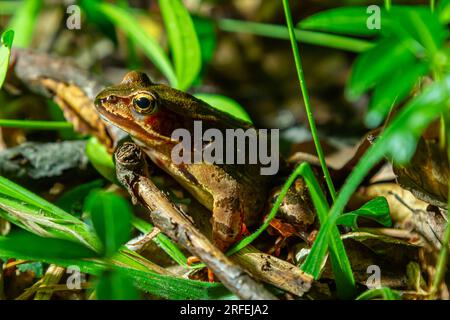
[{"x": 131, "y": 172}]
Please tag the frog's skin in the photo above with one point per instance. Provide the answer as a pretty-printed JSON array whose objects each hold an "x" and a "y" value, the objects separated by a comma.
[{"x": 234, "y": 193}]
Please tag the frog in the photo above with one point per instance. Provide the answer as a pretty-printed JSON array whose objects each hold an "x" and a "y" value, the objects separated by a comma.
[{"x": 149, "y": 112}]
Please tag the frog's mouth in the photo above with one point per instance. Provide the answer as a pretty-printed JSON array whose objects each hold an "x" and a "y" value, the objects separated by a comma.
[{"x": 127, "y": 125}]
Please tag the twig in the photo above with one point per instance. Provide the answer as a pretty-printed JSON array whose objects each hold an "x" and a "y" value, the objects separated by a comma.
[{"x": 132, "y": 173}]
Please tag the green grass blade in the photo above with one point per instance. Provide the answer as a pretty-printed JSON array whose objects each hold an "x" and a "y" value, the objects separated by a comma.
[
  {"x": 162, "y": 241},
  {"x": 304, "y": 90},
  {"x": 309, "y": 37},
  {"x": 5, "y": 53},
  {"x": 183, "y": 42},
  {"x": 225, "y": 104},
  {"x": 345, "y": 282},
  {"x": 31, "y": 212},
  {"x": 24, "y": 21},
  {"x": 384, "y": 293},
  {"x": 398, "y": 141},
  {"x": 127, "y": 22},
  {"x": 34, "y": 124}
]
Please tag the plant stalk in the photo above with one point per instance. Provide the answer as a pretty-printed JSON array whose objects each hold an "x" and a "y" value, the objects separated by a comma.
[
  {"x": 441, "y": 265},
  {"x": 303, "y": 87},
  {"x": 281, "y": 32}
]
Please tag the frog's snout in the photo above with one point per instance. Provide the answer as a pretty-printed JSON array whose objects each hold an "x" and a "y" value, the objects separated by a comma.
[{"x": 102, "y": 100}]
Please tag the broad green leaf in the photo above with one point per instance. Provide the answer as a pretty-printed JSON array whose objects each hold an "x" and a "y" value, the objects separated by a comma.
[
  {"x": 225, "y": 104},
  {"x": 183, "y": 40},
  {"x": 376, "y": 209},
  {"x": 344, "y": 20},
  {"x": 24, "y": 22},
  {"x": 111, "y": 217},
  {"x": 101, "y": 159},
  {"x": 388, "y": 57},
  {"x": 420, "y": 24},
  {"x": 398, "y": 141},
  {"x": 126, "y": 21},
  {"x": 36, "y": 267},
  {"x": 391, "y": 91},
  {"x": 384, "y": 293},
  {"x": 22, "y": 243},
  {"x": 443, "y": 10},
  {"x": 5, "y": 52},
  {"x": 114, "y": 285},
  {"x": 72, "y": 200}
]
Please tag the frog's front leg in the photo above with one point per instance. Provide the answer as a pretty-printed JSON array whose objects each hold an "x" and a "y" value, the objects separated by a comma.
[{"x": 227, "y": 220}]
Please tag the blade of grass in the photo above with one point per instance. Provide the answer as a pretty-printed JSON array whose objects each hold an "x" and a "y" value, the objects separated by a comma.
[
  {"x": 183, "y": 40},
  {"x": 5, "y": 53},
  {"x": 398, "y": 141},
  {"x": 33, "y": 124},
  {"x": 127, "y": 22},
  {"x": 441, "y": 265},
  {"x": 385, "y": 293},
  {"x": 166, "y": 286},
  {"x": 23, "y": 22},
  {"x": 301, "y": 78},
  {"x": 281, "y": 32}
]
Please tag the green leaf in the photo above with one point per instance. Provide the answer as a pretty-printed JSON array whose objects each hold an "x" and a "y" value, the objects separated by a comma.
[
  {"x": 205, "y": 29},
  {"x": 443, "y": 10},
  {"x": 5, "y": 52},
  {"x": 388, "y": 57},
  {"x": 420, "y": 24},
  {"x": 22, "y": 243},
  {"x": 72, "y": 200},
  {"x": 111, "y": 216},
  {"x": 398, "y": 141},
  {"x": 183, "y": 40},
  {"x": 392, "y": 91},
  {"x": 101, "y": 159},
  {"x": 114, "y": 285},
  {"x": 384, "y": 293},
  {"x": 344, "y": 20},
  {"x": 36, "y": 267},
  {"x": 127, "y": 22},
  {"x": 376, "y": 209},
  {"x": 24, "y": 21},
  {"x": 225, "y": 104},
  {"x": 340, "y": 263}
]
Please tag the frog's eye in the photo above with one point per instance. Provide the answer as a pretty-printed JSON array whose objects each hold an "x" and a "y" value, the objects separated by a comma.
[{"x": 145, "y": 103}]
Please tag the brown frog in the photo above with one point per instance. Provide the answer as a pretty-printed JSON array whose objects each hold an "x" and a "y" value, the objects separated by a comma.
[{"x": 150, "y": 112}]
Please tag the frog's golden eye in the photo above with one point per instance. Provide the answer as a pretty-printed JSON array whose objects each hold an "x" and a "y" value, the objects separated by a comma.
[{"x": 145, "y": 103}]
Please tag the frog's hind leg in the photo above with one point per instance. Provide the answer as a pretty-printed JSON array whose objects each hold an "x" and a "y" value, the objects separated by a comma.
[{"x": 227, "y": 221}]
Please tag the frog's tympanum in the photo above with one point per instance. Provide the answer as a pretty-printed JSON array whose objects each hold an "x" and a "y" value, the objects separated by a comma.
[{"x": 150, "y": 112}]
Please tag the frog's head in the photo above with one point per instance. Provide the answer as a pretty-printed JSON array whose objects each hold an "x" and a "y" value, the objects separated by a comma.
[{"x": 137, "y": 106}]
